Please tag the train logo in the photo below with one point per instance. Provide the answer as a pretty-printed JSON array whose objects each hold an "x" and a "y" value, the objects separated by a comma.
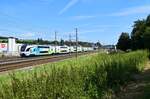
[{"x": 3, "y": 46}]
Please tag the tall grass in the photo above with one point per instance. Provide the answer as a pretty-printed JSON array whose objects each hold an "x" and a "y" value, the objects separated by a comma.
[{"x": 87, "y": 78}]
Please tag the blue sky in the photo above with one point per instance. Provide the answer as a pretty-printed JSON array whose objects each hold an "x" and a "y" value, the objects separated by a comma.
[{"x": 96, "y": 20}]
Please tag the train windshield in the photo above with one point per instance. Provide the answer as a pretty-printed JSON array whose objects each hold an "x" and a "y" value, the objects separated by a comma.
[
  {"x": 28, "y": 49},
  {"x": 63, "y": 47},
  {"x": 43, "y": 46},
  {"x": 23, "y": 48}
]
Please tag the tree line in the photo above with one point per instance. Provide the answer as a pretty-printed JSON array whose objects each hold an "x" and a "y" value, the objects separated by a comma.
[
  {"x": 139, "y": 38},
  {"x": 62, "y": 42}
]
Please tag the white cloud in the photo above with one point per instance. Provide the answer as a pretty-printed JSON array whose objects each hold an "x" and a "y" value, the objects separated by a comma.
[
  {"x": 69, "y": 5},
  {"x": 91, "y": 31},
  {"x": 28, "y": 34},
  {"x": 81, "y": 17},
  {"x": 134, "y": 10},
  {"x": 72, "y": 3}
]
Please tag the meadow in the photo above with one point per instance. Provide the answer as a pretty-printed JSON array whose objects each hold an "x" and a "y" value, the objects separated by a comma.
[{"x": 96, "y": 76}]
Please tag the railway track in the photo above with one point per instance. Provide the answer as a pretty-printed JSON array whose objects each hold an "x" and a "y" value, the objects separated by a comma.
[
  {"x": 19, "y": 59},
  {"x": 22, "y": 63},
  {"x": 10, "y": 59}
]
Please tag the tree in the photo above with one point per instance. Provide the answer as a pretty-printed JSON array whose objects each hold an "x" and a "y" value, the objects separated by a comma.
[
  {"x": 140, "y": 34},
  {"x": 98, "y": 44},
  {"x": 40, "y": 41},
  {"x": 148, "y": 20},
  {"x": 124, "y": 42},
  {"x": 62, "y": 42},
  {"x": 137, "y": 34},
  {"x": 146, "y": 38}
]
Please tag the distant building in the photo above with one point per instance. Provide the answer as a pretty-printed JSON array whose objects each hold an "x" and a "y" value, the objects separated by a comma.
[{"x": 11, "y": 48}]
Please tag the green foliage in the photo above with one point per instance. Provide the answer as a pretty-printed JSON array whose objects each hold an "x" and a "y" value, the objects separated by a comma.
[
  {"x": 98, "y": 44},
  {"x": 124, "y": 42},
  {"x": 3, "y": 37},
  {"x": 146, "y": 38},
  {"x": 137, "y": 34},
  {"x": 141, "y": 34},
  {"x": 62, "y": 42},
  {"x": 40, "y": 41},
  {"x": 89, "y": 77}
]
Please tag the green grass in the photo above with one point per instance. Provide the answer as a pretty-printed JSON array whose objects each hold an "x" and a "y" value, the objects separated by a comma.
[
  {"x": 90, "y": 77},
  {"x": 40, "y": 69}
]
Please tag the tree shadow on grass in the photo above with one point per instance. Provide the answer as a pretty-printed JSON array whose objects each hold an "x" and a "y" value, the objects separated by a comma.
[{"x": 139, "y": 88}]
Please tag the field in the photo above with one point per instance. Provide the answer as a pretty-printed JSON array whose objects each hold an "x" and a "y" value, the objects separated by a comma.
[{"x": 89, "y": 77}]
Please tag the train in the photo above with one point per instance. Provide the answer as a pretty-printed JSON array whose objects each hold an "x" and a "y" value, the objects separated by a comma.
[{"x": 38, "y": 50}]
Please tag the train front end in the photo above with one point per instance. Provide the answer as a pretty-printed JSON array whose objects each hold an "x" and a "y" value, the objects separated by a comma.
[{"x": 25, "y": 51}]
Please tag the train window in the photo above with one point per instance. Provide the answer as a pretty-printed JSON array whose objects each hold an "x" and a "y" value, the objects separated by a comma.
[
  {"x": 43, "y": 51},
  {"x": 23, "y": 47},
  {"x": 43, "y": 46},
  {"x": 34, "y": 50},
  {"x": 28, "y": 49},
  {"x": 63, "y": 47}
]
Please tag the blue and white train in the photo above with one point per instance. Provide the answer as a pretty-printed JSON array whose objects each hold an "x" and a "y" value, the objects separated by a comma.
[{"x": 37, "y": 50}]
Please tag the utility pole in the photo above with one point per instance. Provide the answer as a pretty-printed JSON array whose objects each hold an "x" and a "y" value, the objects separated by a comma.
[
  {"x": 55, "y": 40},
  {"x": 76, "y": 29},
  {"x": 70, "y": 44}
]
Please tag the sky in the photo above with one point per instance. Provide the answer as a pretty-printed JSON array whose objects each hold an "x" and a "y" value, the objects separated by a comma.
[{"x": 96, "y": 20}]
